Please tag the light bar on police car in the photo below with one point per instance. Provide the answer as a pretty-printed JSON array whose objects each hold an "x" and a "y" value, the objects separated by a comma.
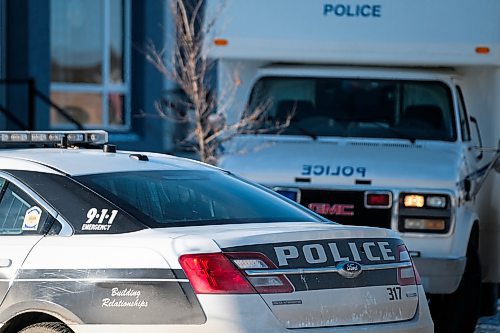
[{"x": 52, "y": 137}]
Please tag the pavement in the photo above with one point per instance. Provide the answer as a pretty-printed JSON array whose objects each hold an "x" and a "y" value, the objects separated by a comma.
[{"x": 489, "y": 324}]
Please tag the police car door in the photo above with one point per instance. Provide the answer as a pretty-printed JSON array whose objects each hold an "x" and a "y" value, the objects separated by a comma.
[{"x": 21, "y": 225}]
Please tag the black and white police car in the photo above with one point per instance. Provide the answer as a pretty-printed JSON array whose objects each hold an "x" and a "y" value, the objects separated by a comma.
[{"x": 95, "y": 240}]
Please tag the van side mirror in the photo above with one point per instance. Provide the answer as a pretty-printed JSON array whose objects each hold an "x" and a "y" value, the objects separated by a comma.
[{"x": 474, "y": 121}]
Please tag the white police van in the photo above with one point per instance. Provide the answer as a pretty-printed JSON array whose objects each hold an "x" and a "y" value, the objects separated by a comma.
[
  {"x": 98, "y": 240},
  {"x": 380, "y": 94}
]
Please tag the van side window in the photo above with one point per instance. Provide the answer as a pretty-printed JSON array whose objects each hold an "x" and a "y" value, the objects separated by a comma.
[
  {"x": 464, "y": 120},
  {"x": 18, "y": 213}
]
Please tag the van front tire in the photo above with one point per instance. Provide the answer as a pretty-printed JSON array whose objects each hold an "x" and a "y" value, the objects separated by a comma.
[{"x": 458, "y": 312}]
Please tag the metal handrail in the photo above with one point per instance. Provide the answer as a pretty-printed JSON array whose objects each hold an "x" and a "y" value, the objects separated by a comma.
[{"x": 34, "y": 93}]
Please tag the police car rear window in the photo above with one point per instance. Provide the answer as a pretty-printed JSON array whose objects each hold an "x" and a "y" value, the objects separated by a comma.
[{"x": 187, "y": 197}]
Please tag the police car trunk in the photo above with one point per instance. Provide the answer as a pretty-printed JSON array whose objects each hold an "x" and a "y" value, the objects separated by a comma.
[{"x": 311, "y": 275}]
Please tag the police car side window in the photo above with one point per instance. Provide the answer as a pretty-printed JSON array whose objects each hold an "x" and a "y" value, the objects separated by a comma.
[
  {"x": 18, "y": 213},
  {"x": 86, "y": 211}
]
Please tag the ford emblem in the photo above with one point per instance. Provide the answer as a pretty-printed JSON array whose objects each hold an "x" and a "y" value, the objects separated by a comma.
[{"x": 349, "y": 269}]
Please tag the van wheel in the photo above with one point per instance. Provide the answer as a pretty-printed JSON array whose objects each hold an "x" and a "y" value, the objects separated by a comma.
[
  {"x": 458, "y": 312},
  {"x": 489, "y": 297},
  {"x": 48, "y": 327}
]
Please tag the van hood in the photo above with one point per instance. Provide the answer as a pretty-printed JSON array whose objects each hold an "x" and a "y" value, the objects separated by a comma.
[{"x": 324, "y": 162}]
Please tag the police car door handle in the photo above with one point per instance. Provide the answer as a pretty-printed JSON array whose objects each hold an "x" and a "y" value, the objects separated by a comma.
[{"x": 5, "y": 262}]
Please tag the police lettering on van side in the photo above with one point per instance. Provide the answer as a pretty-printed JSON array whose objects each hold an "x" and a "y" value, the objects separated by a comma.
[{"x": 349, "y": 10}]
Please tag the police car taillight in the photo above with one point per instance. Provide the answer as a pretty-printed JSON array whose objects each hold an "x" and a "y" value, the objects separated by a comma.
[
  {"x": 264, "y": 284},
  {"x": 223, "y": 273},
  {"x": 214, "y": 273},
  {"x": 406, "y": 275}
]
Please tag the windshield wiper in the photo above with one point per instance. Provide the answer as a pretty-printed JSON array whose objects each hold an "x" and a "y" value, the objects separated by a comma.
[
  {"x": 400, "y": 134},
  {"x": 303, "y": 131}
]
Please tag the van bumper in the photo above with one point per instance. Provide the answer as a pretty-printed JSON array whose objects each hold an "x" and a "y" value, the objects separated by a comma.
[{"x": 440, "y": 275}]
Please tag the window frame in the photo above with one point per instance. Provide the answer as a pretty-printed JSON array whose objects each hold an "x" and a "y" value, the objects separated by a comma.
[
  {"x": 106, "y": 87},
  {"x": 25, "y": 200},
  {"x": 463, "y": 117},
  {"x": 51, "y": 213}
]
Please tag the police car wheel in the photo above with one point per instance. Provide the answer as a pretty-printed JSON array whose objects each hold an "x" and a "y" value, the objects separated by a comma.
[
  {"x": 458, "y": 312},
  {"x": 48, "y": 327}
]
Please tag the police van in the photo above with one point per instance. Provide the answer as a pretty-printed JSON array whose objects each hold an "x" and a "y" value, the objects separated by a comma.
[
  {"x": 384, "y": 100},
  {"x": 95, "y": 240}
]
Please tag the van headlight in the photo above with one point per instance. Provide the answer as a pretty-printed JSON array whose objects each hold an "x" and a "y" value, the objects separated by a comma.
[
  {"x": 424, "y": 201},
  {"x": 414, "y": 200},
  {"x": 436, "y": 201},
  {"x": 424, "y": 213}
]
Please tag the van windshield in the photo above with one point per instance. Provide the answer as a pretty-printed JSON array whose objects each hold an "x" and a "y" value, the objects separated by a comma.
[{"x": 348, "y": 107}]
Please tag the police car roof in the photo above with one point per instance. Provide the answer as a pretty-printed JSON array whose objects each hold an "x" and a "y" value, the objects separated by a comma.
[{"x": 90, "y": 161}]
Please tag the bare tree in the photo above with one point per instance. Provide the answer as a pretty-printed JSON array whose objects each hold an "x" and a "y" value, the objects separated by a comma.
[{"x": 187, "y": 64}]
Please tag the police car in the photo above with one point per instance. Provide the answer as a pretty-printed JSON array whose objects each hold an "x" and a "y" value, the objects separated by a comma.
[{"x": 99, "y": 240}]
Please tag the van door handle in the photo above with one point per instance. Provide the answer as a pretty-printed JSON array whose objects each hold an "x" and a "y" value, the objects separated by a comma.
[{"x": 5, "y": 262}]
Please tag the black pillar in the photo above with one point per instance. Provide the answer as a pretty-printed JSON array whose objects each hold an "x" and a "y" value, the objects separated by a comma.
[{"x": 27, "y": 57}]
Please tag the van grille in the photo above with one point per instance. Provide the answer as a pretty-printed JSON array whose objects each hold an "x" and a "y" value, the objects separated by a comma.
[
  {"x": 390, "y": 145},
  {"x": 345, "y": 207}
]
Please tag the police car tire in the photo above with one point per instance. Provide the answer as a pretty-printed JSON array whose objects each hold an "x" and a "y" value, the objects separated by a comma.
[
  {"x": 48, "y": 327},
  {"x": 458, "y": 312}
]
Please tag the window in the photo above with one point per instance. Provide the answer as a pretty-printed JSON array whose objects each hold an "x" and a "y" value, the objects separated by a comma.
[
  {"x": 18, "y": 213},
  {"x": 74, "y": 203},
  {"x": 347, "y": 107},
  {"x": 176, "y": 198},
  {"x": 90, "y": 62}
]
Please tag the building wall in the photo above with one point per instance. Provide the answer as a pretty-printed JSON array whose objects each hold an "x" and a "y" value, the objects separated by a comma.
[
  {"x": 2, "y": 57},
  {"x": 25, "y": 52}
]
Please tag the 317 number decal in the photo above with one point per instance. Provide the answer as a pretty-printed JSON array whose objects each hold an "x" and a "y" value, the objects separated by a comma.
[{"x": 394, "y": 293}]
